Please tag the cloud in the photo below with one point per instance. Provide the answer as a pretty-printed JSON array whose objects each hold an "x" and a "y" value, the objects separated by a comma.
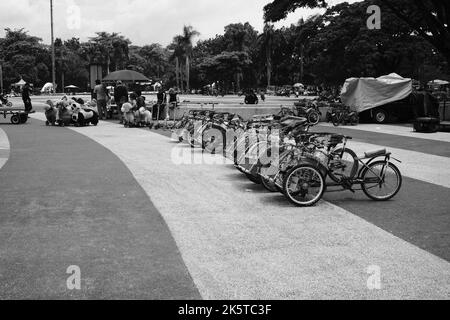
[{"x": 142, "y": 21}]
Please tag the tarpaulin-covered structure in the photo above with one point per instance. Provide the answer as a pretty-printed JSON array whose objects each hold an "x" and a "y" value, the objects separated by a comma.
[{"x": 363, "y": 94}]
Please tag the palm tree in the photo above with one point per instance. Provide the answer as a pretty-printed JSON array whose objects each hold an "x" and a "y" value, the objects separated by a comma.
[
  {"x": 186, "y": 39},
  {"x": 266, "y": 43},
  {"x": 182, "y": 50},
  {"x": 177, "y": 50}
]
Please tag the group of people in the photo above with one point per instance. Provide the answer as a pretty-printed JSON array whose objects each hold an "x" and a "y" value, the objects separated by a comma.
[{"x": 165, "y": 105}]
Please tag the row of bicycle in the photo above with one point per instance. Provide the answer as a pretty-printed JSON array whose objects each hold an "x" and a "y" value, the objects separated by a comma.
[{"x": 282, "y": 153}]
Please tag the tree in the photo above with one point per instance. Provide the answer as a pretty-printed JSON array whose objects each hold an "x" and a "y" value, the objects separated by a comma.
[
  {"x": 61, "y": 53},
  {"x": 186, "y": 42},
  {"x": 75, "y": 63},
  {"x": 225, "y": 66},
  {"x": 429, "y": 18},
  {"x": 24, "y": 57},
  {"x": 266, "y": 43},
  {"x": 113, "y": 48},
  {"x": 242, "y": 38},
  {"x": 178, "y": 53}
]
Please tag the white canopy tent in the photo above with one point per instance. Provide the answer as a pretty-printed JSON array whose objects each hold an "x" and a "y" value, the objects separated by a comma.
[
  {"x": 21, "y": 83},
  {"x": 438, "y": 82},
  {"x": 367, "y": 93},
  {"x": 156, "y": 86},
  {"x": 48, "y": 87}
]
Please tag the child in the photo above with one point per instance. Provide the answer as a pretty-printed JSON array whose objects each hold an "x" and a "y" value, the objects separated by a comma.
[{"x": 128, "y": 114}]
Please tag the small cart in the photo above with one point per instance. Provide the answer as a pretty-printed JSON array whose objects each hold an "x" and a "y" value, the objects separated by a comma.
[{"x": 18, "y": 115}]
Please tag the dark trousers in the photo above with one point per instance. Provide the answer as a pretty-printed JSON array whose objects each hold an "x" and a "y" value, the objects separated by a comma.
[
  {"x": 162, "y": 112},
  {"x": 101, "y": 107},
  {"x": 28, "y": 105}
]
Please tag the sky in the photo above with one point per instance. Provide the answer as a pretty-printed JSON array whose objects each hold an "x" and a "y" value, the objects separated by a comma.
[{"x": 141, "y": 21}]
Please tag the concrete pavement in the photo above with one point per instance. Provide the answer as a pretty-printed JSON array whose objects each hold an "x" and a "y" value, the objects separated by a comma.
[
  {"x": 240, "y": 242},
  {"x": 66, "y": 200},
  {"x": 4, "y": 148}
]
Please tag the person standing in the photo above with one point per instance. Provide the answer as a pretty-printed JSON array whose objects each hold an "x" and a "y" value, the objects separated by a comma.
[
  {"x": 173, "y": 103},
  {"x": 159, "y": 108},
  {"x": 121, "y": 97},
  {"x": 101, "y": 95},
  {"x": 26, "y": 91},
  {"x": 263, "y": 95}
]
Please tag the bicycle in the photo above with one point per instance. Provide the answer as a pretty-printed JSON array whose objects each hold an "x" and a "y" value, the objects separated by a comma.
[
  {"x": 342, "y": 115},
  {"x": 380, "y": 180}
]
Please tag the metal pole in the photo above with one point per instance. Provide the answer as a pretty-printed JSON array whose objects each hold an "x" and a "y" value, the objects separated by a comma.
[
  {"x": 1, "y": 78},
  {"x": 177, "y": 70},
  {"x": 53, "y": 48}
]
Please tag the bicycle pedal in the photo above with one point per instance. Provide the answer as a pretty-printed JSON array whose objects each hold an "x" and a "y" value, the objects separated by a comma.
[{"x": 347, "y": 184}]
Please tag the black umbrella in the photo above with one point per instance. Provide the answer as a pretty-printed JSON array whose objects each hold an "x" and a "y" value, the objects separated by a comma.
[{"x": 126, "y": 75}]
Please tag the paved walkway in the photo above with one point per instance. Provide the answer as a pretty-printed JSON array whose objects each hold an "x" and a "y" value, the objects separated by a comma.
[
  {"x": 240, "y": 242},
  {"x": 405, "y": 131},
  {"x": 66, "y": 200},
  {"x": 4, "y": 148}
]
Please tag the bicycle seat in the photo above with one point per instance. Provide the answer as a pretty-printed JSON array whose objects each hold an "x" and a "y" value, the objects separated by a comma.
[{"x": 376, "y": 153}]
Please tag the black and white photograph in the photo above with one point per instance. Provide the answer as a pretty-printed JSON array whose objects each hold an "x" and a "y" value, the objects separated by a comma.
[{"x": 227, "y": 156}]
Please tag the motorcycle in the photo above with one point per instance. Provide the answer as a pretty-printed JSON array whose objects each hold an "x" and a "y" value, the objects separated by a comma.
[
  {"x": 342, "y": 115},
  {"x": 309, "y": 110}
]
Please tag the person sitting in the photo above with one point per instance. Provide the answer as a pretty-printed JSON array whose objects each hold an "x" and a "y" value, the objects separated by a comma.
[
  {"x": 3, "y": 100},
  {"x": 128, "y": 114},
  {"x": 251, "y": 98},
  {"x": 140, "y": 100}
]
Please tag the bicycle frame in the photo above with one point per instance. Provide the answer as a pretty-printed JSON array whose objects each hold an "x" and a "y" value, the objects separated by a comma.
[{"x": 365, "y": 165}]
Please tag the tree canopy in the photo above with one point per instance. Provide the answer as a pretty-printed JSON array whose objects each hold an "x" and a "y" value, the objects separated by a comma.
[
  {"x": 428, "y": 18},
  {"x": 324, "y": 49}
]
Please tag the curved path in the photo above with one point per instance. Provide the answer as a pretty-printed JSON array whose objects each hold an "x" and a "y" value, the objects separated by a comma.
[
  {"x": 85, "y": 207},
  {"x": 66, "y": 200},
  {"x": 238, "y": 242},
  {"x": 4, "y": 148}
]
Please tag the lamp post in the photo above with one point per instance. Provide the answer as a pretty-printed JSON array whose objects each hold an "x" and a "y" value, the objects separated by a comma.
[
  {"x": 53, "y": 48},
  {"x": 1, "y": 77}
]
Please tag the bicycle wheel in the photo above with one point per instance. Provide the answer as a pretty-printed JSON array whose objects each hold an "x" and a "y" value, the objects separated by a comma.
[
  {"x": 336, "y": 121},
  {"x": 314, "y": 117},
  {"x": 344, "y": 164},
  {"x": 304, "y": 185},
  {"x": 268, "y": 185},
  {"x": 381, "y": 181},
  {"x": 253, "y": 178},
  {"x": 354, "y": 120}
]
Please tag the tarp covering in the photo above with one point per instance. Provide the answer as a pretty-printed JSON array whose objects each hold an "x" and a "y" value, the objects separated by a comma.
[{"x": 364, "y": 94}]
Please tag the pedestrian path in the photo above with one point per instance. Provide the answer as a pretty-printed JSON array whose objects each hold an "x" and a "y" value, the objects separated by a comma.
[
  {"x": 416, "y": 165},
  {"x": 4, "y": 148},
  {"x": 240, "y": 242},
  {"x": 68, "y": 201},
  {"x": 404, "y": 131}
]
